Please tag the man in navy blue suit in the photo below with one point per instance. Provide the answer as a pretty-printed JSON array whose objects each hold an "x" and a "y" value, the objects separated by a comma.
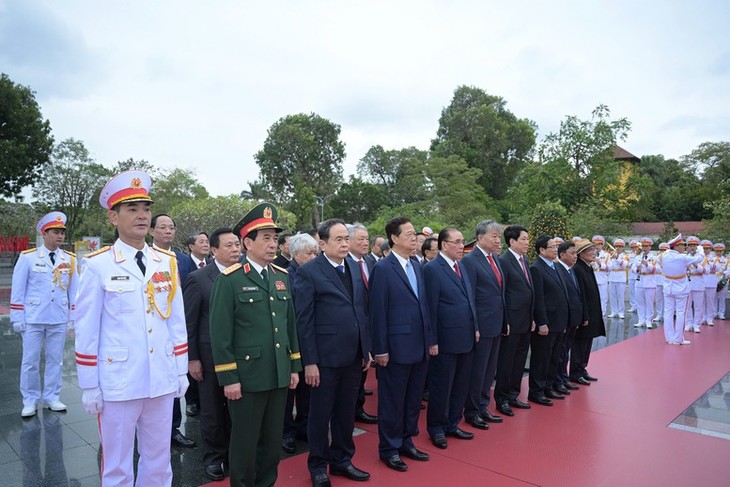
[
  {"x": 401, "y": 332},
  {"x": 482, "y": 268},
  {"x": 331, "y": 306},
  {"x": 453, "y": 323}
]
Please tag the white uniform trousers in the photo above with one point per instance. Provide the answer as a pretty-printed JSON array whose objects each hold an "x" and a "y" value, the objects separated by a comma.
[
  {"x": 632, "y": 294},
  {"x": 659, "y": 302},
  {"x": 710, "y": 309},
  {"x": 603, "y": 292},
  {"x": 675, "y": 305},
  {"x": 720, "y": 298},
  {"x": 617, "y": 296},
  {"x": 34, "y": 336},
  {"x": 695, "y": 309},
  {"x": 645, "y": 304},
  {"x": 152, "y": 420}
]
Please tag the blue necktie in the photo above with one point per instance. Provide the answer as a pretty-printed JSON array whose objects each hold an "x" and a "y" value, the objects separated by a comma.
[
  {"x": 341, "y": 269},
  {"x": 412, "y": 277}
]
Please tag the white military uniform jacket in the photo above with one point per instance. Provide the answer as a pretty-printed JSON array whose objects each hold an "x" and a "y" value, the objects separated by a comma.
[
  {"x": 617, "y": 267},
  {"x": 648, "y": 272},
  {"x": 131, "y": 337},
  {"x": 697, "y": 273},
  {"x": 675, "y": 267},
  {"x": 43, "y": 292},
  {"x": 601, "y": 267},
  {"x": 714, "y": 266}
]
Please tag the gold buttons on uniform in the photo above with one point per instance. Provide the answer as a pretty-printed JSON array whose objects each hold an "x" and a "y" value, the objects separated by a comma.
[
  {"x": 284, "y": 298},
  {"x": 248, "y": 357},
  {"x": 271, "y": 298},
  {"x": 273, "y": 314},
  {"x": 278, "y": 345},
  {"x": 152, "y": 350},
  {"x": 110, "y": 360},
  {"x": 250, "y": 300},
  {"x": 276, "y": 330}
]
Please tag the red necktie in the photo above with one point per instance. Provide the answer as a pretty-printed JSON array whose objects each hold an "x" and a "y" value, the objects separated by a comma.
[
  {"x": 201, "y": 264},
  {"x": 456, "y": 268},
  {"x": 362, "y": 271},
  {"x": 494, "y": 269},
  {"x": 524, "y": 268}
]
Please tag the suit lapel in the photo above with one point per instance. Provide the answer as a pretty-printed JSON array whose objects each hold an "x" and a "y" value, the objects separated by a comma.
[
  {"x": 331, "y": 273},
  {"x": 129, "y": 265},
  {"x": 402, "y": 273},
  {"x": 451, "y": 273},
  {"x": 484, "y": 262}
]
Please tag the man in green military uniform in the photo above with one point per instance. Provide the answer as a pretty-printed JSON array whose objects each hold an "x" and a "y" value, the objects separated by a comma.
[{"x": 255, "y": 349}]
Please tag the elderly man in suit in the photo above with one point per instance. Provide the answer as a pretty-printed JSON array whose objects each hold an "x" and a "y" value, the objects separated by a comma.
[
  {"x": 567, "y": 256},
  {"x": 332, "y": 323},
  {"x": 454, "y": 326},
  {"x": 215, "y": 424},
  {"x": 552, "y": 312},
  {"x": 481, "y": 266},
  {"x": 401, "y": 331},
  {"x": 519, "y": 299}
]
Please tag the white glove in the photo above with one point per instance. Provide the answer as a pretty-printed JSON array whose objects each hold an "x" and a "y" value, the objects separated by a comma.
[
  {"x": 182, "y": 385},
  {"x": 70, "y": 325},
  {"x": 19, "y": 327},
  {"x": 92, "y": 400}
]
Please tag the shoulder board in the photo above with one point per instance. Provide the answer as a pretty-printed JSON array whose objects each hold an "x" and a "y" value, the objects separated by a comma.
[
  {"x": 29, "y": 251},
  {"x": 166, "y": 252},
  {"x": 233, "y": 268},
  {"x": 280, "y": 268},
  {"x": 97, "y": 252},
  {"x": 70, "y": 253}
]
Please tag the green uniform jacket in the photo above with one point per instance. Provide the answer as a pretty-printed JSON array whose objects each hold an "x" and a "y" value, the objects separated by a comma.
[{"x": 253, "y": 329}]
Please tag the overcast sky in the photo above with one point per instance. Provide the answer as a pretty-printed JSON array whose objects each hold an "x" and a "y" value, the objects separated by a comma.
[{"x": 197, "y": 84}]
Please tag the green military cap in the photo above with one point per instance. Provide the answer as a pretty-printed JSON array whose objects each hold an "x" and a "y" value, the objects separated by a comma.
[{"x": 260, "y": 217}]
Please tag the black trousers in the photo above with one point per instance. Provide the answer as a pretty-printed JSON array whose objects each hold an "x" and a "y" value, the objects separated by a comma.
[
  {"x": 296, "y": 426},
  {"x": 579, "y": 356},
  {"x": 510, "y": 366}
]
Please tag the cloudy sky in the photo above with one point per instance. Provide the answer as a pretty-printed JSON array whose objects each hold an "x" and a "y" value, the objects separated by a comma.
[{"x": 197, "y": 84}]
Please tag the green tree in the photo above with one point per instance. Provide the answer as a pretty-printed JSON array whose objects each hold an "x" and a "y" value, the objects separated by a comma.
[
  {"x": 18, "y": 219},
  {"x": 75, "y": 185},
  {"x": 717, "y": 228},
  {"x": 301, "y": 151},
  {"x": 548, "y": 219},
  {"x": 672, "y": 192},
  {"x": 400, "y": 173},
  {"x": 170, "y": 188},
  {"x": 25, "y": 138},
  {"x": 712, "y": 161},
  {"x": 358, "y": 200},
  {"x": 479, "y": 128}
]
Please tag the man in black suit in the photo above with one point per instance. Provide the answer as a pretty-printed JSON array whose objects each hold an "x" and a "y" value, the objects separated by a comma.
[
  {"x": 215, "y": 423},
  {"x": 567, "y": 256},
  {"x": 454, "y": 329},
  {"x": 284, "y": 258},
  {"x": 482, "y": 267},
  {"x": 594, "y": 326},
  {"x": 401, "y": 330},
  {"x": 519, "y": 299},
  {"x": 375, "y": 253},
  {"x": 429, "y": 250},
  {"x": 551, "y": 315},
  {"x": 331, "y": 300}
]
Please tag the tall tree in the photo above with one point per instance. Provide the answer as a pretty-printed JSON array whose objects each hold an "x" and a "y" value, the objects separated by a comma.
[
  {"x": 25, "y": 138},
  {"x": 358, "y": 200},
  {"x": 479, "y": 128},
  {"x": 712, "y": 161},
  {"x": 170, "y": 188},
  {"x": 76, "y": 182},
  {"x": 400, "y": 173},
  {"x": 302, "y": 153}
]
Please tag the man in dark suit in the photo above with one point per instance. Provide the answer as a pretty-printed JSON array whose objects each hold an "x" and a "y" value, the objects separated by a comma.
[
  {"x": 519, "y": 299},
  {"x": 333, "y": 336},
  {"x": 429, "y": 250},
  {"x": 551, "y": 315},
  {"x": 215, "y": 424},
  {"x": 567, "y": 256},
  {"x": 375, "y": 253},
  {"x": 482, "y": 267},
  {"x": 284, "y": 258},
  {"x": 594, "y": 326},
  {"x": 454, "y": 329},
  {"x": 401, "y": 330}
]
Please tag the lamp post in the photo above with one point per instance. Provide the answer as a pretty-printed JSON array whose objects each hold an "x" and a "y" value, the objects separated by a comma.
[{"x": 321, "y": 200}]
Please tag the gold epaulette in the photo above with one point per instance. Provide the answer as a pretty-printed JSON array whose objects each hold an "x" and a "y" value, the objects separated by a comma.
[
  {"x": 232, "y": 268},
  {"x": 97, "y": 252},
  {"x": 70, "y": 253},
  {"x": 166, "y": 252},
  {"x": 280, "y": 268},
  {"x": 29, "y": 251}
]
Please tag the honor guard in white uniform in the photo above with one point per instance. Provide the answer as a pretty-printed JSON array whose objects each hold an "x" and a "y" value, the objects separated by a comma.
[
  {"x": 723, "y": 273},
  {"x": 676, "y": 289},
  {"x": 710, "y": 264},
  {"x": 659, "y": 296},
  {"x": 42, "y": 301},
  {"x": 696, "y": 305},
  {"x": 600, "y": 268},
  {"x": 618, "y": 264},
  {"x": 633, "y": 276},
  {"x": 645, "y": 265},
  {"x": 131, "y": 339}
]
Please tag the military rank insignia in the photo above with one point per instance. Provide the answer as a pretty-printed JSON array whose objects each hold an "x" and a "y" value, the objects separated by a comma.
[
  {"x": 280, "y": 286},
  {"x": 246, "y": 268},
  {"x": 162, "y": 281}
]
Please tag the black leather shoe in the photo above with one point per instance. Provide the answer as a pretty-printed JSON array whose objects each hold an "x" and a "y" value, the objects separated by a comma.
[
  {"x": 321, "y": 480},
  {"x": 439, "y": 441},
  {"x": 589, "y": 378},
  {"x": 180, "y": 439},
  {"x": 491, "y": 418},
  {"x": 367, "y": 392},
  {"x": 581, "y": 381},
  {"x": 516, "y": 403},
  {"x": 505, "y": 409},
  {"x": 542, "y": 400},
  {"x": 351, "y": 472},
  {"x": 214, "y": 472},
  {"x": 395, "y": 463},
  {"x": 561, "y": 389},
  {"x": 192, "y": 409},
  {"x": 366, "y": 418},
  {"x": 289, "y": 445},
  {"x": 461, "y": 434},
  {"x": 571, "y": 387},
  {"x": 414, "y": 454},
  {"x": 554, "y": 395},
  {"x": 478, "y": 423}
]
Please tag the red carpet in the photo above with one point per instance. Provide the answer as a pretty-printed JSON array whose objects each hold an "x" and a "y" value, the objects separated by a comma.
[{"x": 611, "y": 433}]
